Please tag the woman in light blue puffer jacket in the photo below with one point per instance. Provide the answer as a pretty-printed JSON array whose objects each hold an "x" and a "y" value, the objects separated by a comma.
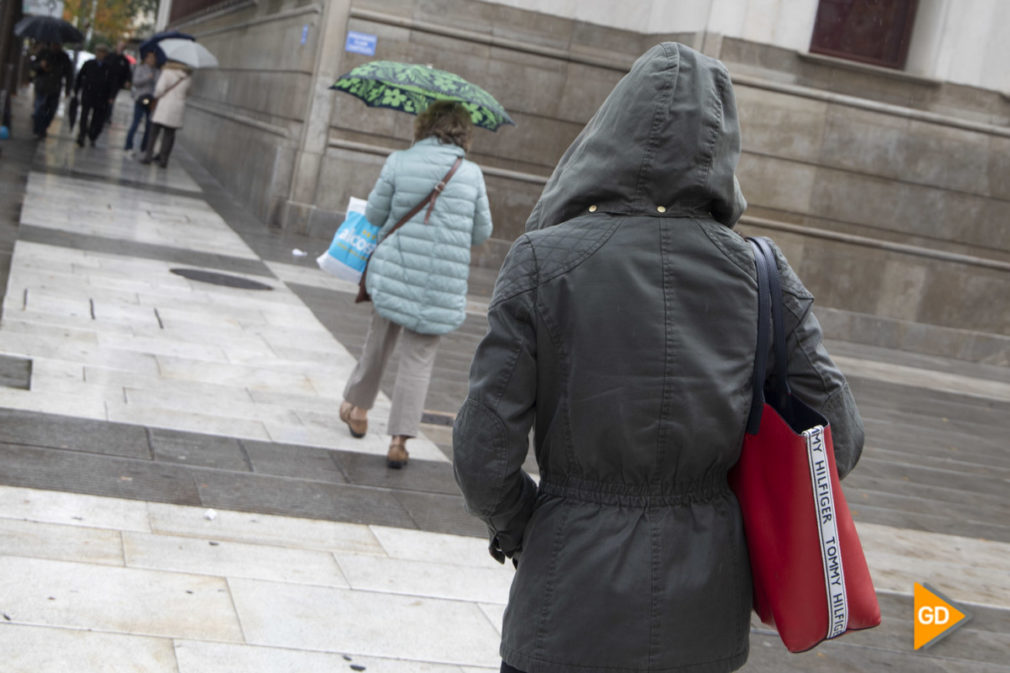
[{"x": 417, "y": 277}]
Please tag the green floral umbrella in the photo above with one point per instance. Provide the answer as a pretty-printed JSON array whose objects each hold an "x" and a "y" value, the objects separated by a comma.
[{"x": 411, "y": 88}]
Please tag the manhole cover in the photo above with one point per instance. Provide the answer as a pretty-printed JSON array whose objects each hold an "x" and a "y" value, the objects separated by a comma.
[{"x": 216, "y": 278}]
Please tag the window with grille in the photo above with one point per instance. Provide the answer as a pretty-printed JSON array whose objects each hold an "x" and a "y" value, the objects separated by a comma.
[{"x": 869, "y": 31}]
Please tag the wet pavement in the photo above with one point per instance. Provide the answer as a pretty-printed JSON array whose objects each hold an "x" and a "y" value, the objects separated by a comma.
[{"x": 177, "y": 493}]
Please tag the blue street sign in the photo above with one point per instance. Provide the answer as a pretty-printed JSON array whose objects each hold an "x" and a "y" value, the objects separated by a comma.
[
  {"x": 305, "y": 33},
  {"x": 361, "y": 43}
]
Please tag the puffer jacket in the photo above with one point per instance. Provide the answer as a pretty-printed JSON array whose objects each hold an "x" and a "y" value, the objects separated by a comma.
[
  {"x": 622, "y": 329},
  {"x": 417, "y": 277}
]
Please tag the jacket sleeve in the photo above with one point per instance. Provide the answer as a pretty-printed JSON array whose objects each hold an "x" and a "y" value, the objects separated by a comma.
[
  {"x": 813, "y": 376},
  {"x": 482, "y": 225},
  {"x": 380, "y": 200},
  {"x": 491, "y": 434}
]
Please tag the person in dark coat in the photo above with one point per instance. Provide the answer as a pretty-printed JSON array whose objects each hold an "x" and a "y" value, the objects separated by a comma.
[
  {"x": 96, "y": 85},
  {"x": 623, "y": 329},
  {"x": 121, "y": 75},
  {"x": 51, "y": 68}
]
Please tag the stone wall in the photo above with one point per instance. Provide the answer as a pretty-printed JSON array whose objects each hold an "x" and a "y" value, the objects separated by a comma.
[
  {"x": 890, "y": 193},
  {"x": 551, "y": 74},
  {"x": 243, "y": 119},
  {"x": 901, "y": 196}
]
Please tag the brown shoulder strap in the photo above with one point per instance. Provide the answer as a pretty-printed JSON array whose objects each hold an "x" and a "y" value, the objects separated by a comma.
[
  {"x": 439, "y": 187},
  {"x": 432, "y": 195},
  {"x": 173, "y": 85}
]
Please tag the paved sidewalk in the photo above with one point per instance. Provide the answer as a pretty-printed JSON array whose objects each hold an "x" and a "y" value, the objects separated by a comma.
[{"x": 177, "y": 494}]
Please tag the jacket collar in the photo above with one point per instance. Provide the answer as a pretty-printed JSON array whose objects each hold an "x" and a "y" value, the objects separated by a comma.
[{"x": 449, "y": 148}]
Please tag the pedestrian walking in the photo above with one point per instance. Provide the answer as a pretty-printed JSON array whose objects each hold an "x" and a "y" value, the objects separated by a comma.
[
  {"x": 121, "y": 73},
  {"x": 95, "y": 84},
  {"x": 145, "y": 75},
  {"x": 169, "y": 107},
  {"x": 53, "y": 73},
  {"x": 623, "y": 326},
  {"x": 417, "y": 277}
]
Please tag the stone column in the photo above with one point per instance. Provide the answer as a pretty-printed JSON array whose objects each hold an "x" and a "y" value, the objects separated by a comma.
[
  {"x": 297, "y": 211},
  {"x": 164, "y": 11},
  {"x": 10, "y": 12}
]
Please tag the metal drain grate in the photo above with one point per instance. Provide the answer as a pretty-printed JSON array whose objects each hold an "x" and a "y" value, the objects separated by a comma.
[
  {"x": 215, "y": 278},
  {"x": 438, "y": 418},
  {"x": 15, "y": 372}
]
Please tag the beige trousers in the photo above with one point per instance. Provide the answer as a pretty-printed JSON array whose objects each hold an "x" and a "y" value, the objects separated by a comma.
[{"x": 417, "y": 357}]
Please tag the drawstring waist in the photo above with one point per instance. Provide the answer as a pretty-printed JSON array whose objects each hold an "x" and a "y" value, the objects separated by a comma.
[{"x": 699, "y": 491}]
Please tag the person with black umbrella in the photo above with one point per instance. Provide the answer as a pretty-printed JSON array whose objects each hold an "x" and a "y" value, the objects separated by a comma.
[
  {"x": 121, "y": 74},
  {"x": 46, "y": 29},
  {"x": 51, "y": 68},
  {"x": 97, "y": 85}
]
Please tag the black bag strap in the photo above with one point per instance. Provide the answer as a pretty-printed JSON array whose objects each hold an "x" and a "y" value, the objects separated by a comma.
[
  {"x": 763, "y": 335},
  {"x": 770, "y": 310},
  {"x": 781, "y": 388}
]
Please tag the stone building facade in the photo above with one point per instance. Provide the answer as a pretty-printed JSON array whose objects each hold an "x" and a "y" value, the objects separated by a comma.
[{"x": 888, "y": 187}]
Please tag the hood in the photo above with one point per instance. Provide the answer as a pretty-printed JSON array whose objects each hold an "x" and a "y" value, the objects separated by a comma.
[{"x": 666, "y": 141}]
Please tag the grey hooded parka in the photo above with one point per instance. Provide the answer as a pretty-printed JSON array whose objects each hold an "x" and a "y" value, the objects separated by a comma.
[{"x": 622, "y": 328}]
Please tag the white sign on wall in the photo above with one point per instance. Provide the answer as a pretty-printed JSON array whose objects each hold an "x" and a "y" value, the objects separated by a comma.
[{"x": 43, "y": 7}]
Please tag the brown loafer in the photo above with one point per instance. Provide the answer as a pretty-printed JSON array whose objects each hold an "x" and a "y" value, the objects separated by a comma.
[
  {"x": 358, "y": 427},
  {"x": 397, "y": 455}
]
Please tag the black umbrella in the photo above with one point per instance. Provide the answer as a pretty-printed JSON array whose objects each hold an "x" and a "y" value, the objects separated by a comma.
[
  {"x": 48, "y": 29},
  {"x": 151, "y": 44}
]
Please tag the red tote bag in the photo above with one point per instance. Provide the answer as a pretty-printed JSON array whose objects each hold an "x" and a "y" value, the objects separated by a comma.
[{"x": 811, "y": 580}]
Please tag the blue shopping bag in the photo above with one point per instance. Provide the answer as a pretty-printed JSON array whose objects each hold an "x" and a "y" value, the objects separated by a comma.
[{"x": 352, "y": 245}]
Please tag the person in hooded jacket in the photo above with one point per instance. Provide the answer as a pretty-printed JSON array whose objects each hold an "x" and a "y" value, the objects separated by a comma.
[
  {"x": 623, "y": 329},
  {"x": 417, "y": 277}
]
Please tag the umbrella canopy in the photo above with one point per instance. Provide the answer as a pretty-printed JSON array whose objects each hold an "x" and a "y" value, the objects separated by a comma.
[
  {"x": 48, "y": 29},
  {"x": 411, "y": 88},
  {"x": 151, "y": 44},
  {"x": 186, "y": 51}
]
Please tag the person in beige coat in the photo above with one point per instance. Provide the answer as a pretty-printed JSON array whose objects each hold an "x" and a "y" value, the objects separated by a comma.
[{"x": 170, "y": 93}]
